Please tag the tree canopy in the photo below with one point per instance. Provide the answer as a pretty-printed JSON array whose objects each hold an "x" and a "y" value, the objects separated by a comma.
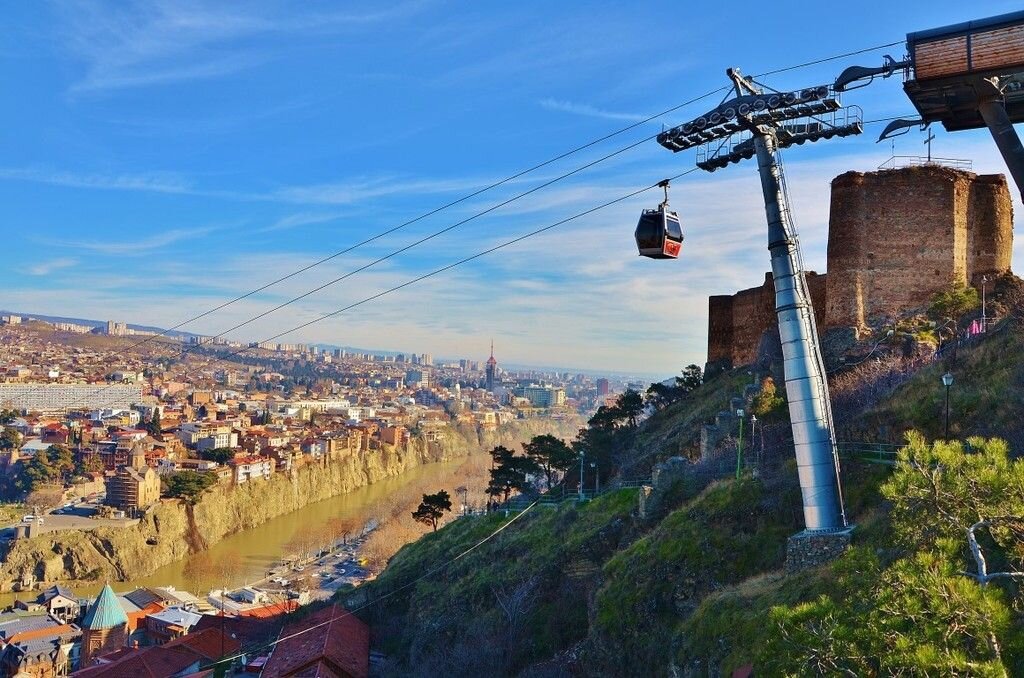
[
  {"x": 54, "y": 465},
  {"x": 660, "y": 395},
  {"x": 551, "y": 456},
  {"x": 509, "y": 472},
  {"x": 10, "y": 439},
  {"x": 221, "y": 455},
  {"x": 189, "y": 485},
  {"x": 915, "y": 608},
  {"x": 433, "y": 508},
  {"x": 954, "y": 302}
]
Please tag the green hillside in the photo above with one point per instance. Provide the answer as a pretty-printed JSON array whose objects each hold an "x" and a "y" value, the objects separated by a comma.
[{"x": 697, "y": 586}]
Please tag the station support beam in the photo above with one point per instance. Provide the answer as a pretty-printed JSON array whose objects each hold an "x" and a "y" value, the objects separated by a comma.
[{"x": 998, "y": 122}]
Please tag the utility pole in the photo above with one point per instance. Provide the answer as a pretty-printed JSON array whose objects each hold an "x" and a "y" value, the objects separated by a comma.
[{"x": 757, "y": 122}]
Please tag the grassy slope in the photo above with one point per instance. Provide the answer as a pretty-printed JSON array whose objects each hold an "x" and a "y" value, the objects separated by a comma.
[
  {"x": 550, "y": 554},
  {"x": 982, "y": 400},
  {"x": 676, "y": 429},
  {"x": 691, "y": 590}
]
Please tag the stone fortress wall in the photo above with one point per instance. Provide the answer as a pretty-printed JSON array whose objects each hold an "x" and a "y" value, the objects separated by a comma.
[{"x": 896, "y": 237}]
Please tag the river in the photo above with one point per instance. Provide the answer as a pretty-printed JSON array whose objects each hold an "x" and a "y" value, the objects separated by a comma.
[{"x": 262, "y": 546}]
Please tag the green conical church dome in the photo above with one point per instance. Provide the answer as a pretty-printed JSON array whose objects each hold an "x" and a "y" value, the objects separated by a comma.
[{"x": 105, "y": 613}]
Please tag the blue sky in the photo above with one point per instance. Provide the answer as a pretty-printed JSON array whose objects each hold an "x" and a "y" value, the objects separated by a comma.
[{"x": 157, "y": 159}]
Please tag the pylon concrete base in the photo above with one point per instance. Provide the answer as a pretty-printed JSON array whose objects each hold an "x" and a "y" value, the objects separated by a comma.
[{"x": 810, "y": 549}]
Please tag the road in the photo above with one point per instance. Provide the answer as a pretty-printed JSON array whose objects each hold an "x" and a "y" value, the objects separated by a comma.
[
  {"x": 78, "y": 517},
  {"x": 321, "y": 576}
]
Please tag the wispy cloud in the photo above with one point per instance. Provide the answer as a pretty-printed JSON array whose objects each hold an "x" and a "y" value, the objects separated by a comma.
[
  {"x": 299, "y": 219},
  {"x": 345, "y": 192},
  {"x": 128, "y": 244},
  {"x": 51, "y": 265},
  {"x": 154, "y": 182},
  {"x": 352, "y": 191},
  {"x": 588, "y": 110},
  {"x": 149, "y": 43}
]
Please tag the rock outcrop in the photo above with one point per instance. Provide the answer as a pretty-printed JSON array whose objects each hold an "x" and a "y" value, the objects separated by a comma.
[{"x": 173, "y": 529}]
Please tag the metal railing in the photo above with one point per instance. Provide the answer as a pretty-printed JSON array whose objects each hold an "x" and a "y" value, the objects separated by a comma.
[
  {"x": 898, "y": 161},
  {"x": 562, "y": 494},
  {"x": 872, "y": 453}
]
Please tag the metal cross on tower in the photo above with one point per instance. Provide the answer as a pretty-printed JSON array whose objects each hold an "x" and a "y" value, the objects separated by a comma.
[
  {"x": 928, "y": 142},
  {"x": 759, "y": 123}
]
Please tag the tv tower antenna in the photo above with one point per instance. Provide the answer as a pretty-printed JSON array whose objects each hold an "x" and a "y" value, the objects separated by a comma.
[{"x": 759, "y": 121}]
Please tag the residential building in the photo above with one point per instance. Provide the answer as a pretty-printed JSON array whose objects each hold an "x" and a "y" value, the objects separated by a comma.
[
  {"x": 60, "y": 603},
  {"x": 417, "y": 378},
  {"x": 249, "y": 468},
  {"x": 542, "y": 396},
  {"x": 394, "y": 435},
  {"x": 169, "y": 624},
  {"x": 37, "y": 645},
  {"x": 116, "y": 329},
  {"x": 61, "y": 398}
]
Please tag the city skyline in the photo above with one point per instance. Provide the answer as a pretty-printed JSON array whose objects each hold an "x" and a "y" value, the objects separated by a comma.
[{"x": 167, "y": 159}]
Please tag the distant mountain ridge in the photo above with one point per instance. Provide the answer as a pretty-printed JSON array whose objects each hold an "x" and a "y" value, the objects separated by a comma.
[
  {"x": 352, "y": 349},
  {"x": 98, "y": 323}
]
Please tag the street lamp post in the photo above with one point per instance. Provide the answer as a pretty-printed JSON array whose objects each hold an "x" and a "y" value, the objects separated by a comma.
[
  {"x": 984, "y": 317},
  {"x": 597, "y": 478},
  {"x": 739, "y": 445},
  {"x": 582, "y": 455},
  {"x": 947, "y": 381},
  {"x": 753, "y": 433}
]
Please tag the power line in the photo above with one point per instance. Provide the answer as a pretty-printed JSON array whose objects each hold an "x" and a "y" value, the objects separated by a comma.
[
  {"x": 438, "y": 271},
  {"x": 492, "y": 186},
  {"x": 442, "y": 269},
  {"x": 435, "y": 234},
  {"x": 831, "y": 58},
  {"x": 459, "y": 223},
  {"x": 482, "y": 254},
  {"x": 453, "y": 203}
]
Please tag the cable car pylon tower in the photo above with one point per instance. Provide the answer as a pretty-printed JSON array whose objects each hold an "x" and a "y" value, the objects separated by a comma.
[{"x": 759, "y": 121}]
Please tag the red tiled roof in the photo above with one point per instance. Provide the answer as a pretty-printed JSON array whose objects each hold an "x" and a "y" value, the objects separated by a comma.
[
  {"x": 207, "y": 643},
  {"x": 330, "y": 643},
  {"x": 271, "y": 610},
  {"x": 248, "y": 630},
  {"x": 147, "y": 662}
]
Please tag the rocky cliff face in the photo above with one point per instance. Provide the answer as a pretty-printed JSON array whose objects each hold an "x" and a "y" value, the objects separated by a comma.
[{"x": 173, "y": 529}]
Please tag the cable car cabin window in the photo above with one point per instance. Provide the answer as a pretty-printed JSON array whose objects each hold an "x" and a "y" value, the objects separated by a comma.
[
  {"x": 672, "y": 228},
  {"x": 650, "y": 230}
]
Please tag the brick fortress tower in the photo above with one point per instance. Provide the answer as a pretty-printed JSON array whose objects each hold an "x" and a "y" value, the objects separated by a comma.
[{"x": 896, "y": 237}]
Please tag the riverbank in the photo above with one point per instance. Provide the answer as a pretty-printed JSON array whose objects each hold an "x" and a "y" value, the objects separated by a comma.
[{"x": 174, "y": 530}]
